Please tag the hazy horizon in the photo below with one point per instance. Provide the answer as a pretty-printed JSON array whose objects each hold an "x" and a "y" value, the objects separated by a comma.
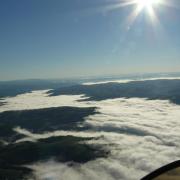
[{"x": 101, "y": 76}]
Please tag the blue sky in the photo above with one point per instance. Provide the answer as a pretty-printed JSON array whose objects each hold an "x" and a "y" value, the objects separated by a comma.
[{"x": 72, "y": 38}]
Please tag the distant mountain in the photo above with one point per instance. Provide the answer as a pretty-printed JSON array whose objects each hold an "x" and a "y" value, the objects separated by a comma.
[
  {"x": 151, "y": 89},
  {"x": 13, "y": 88}
]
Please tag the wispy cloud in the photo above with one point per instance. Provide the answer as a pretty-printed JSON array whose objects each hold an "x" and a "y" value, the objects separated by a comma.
[{"x": 130, "y": 80}]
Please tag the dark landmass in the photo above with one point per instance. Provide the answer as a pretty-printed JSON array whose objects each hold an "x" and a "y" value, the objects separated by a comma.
[
  {"x": 2, "y": 103},
  {"x": 13, "y": 88},
  {"x": 8, "y": 172},
  {"x": 42, "y": 120},
  {"x": 62, "y": 149},
  {"x": 151, "y": 89}
]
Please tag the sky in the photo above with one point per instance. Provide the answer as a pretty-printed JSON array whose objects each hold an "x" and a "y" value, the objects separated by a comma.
[{"x": 80, "y": 38}]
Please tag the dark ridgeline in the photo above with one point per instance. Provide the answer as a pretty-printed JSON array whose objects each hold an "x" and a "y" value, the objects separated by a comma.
[
  {"x": 62, "y": 148},
  {"x": 151, "y": 89},
  {"x": 13, "y": 88},
  {"x": 42, "y": 120}
]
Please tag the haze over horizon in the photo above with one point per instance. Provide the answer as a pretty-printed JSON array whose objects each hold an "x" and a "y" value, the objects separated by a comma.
[{"x": 52, "y": 39}]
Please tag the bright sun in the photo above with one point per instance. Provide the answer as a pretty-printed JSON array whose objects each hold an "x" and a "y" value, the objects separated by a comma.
[
  {"x": 146, "y": 3},
  {"x": 149, "y": 6}
]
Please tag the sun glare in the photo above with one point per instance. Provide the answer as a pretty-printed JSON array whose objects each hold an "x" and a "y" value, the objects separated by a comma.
[
  {"x": 149, "y": 6},
  {"x": 146, "y": 3}
]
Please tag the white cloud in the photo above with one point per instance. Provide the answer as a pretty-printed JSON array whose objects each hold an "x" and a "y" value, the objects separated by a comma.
[
  {"x": 141, "y": 134},
  {"x": 39, "y": 99},
  {"x": 129, "y": 80}
]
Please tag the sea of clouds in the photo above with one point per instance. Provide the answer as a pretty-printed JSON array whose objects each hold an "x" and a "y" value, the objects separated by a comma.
[{"x": 141, "y": 135}]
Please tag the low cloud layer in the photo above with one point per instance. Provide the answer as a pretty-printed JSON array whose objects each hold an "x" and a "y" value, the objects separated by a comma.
[
  {"x": 141, "y": 134},
  {"x": 130, "y": 80},
  {"x": 147, "y": 133},
  {"x": 38, "y": 100}
]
